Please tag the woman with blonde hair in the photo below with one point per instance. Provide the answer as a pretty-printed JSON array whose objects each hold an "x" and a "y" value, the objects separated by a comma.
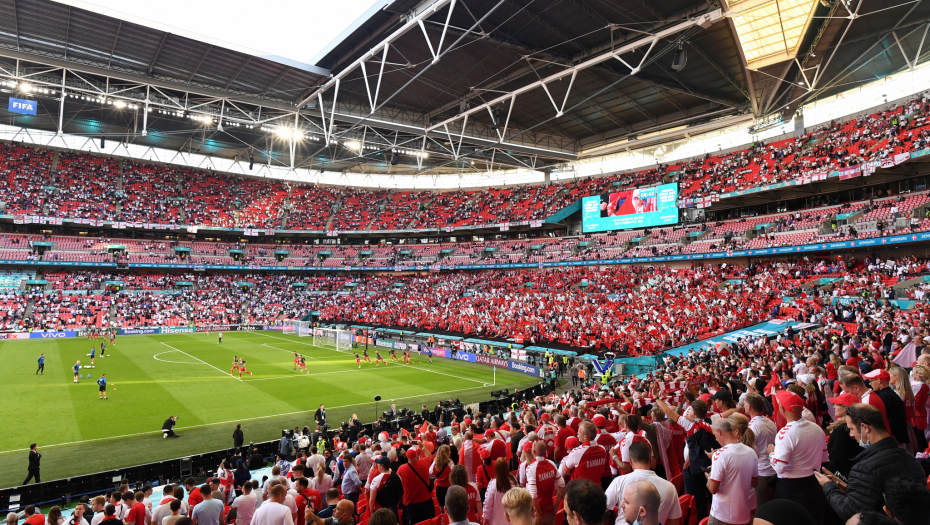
[
  {"x": 440, "y": 470},
  {"x": 920, "y": 384},
  {"x": 322, "y": 481}
]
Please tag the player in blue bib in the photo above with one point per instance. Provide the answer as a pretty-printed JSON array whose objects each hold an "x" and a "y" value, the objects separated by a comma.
[
  {"x": 77, "y": 371},
  {"x": 102, "y": 382}
]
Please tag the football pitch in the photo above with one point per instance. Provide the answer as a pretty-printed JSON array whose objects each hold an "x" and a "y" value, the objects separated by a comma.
[{"x": 150, "y": 378}]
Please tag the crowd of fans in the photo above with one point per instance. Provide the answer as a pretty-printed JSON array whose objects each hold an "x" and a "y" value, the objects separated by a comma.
[
  {"x": 818, "y": 426},
  {"x": 628, "y": 310},
  {"x": 84, "y": 186}
]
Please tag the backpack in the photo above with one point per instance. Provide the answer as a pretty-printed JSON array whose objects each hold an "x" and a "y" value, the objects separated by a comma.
[{"x": 390, "y": 494}]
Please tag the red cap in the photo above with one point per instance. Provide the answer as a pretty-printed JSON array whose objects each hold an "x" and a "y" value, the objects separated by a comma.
[
  {"x": 844, "y": 399},
  {"x": 412, "y": 453},
  {"x": 544, "y": 417},
  {"x": 565, "y": 412},
  {"x": 790, "y": 400},
  {"x": 571, "y": 442},
  {"x": 467, "y": 421},
  {"x": 705, "y": 398},
  {"x": 599, "y": 421},
  {"x": 528, "y": 446},
  {"x": 627, "y": 407},
  {"x": 484, "y": 453},
  {"x": 880, "y": 373}
]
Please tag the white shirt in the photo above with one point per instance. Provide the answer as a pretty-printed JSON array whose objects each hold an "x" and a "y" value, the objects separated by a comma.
[
  {"x": 272, "y": 513},
  {"x": 245, "y": 508},
  {"x": 531, "y": 476},
  {"x": 161, "y": 512},
  {"x": 669, "y": 507},
  {"x": 800, "y": 448},
  {"x": 315, "y": 461},
  {"x": 734, "y": 466},
  {"x": 765, "y": 430}
]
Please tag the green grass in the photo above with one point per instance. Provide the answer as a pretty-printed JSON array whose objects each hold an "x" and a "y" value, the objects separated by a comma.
[{"x": 187, "y": 375}]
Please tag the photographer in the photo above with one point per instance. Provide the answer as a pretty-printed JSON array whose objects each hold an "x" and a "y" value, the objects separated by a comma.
[{"x": 167, "y": 427}]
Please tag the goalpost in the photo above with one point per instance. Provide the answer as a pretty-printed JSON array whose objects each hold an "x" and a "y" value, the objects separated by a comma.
[{"x": 341, "y": 339}]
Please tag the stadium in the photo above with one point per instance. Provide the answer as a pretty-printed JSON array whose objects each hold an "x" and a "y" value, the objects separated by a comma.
[{"x": 579, "y": 240}]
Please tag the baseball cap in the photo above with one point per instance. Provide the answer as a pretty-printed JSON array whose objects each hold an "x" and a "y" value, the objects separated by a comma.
[
  {"x": 571, "y": 442},
  {"x": 484, "y": 453},
  {"x": 599, "y": 421},
  {"x": 878, "y": 373},
  {"x": 413, "y": 453},
  {"x": 790, "y": 400},
  {"x": 528, "y": 446},
  {"x": 705, "y": 398},
  {"x": 545, "y": 417},
  {"x": 383, "y": 461},
  {"x": 722, "y": 395},
  {"x": 844, "y": 399}
]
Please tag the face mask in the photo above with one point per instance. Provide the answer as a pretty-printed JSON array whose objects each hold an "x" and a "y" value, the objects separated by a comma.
[
  {"x": 639, "y": 520},
  {"x": 861, "y": 443}
]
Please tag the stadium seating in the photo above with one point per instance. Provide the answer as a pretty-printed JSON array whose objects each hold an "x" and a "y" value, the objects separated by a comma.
[{"x": 90, "y": 187}]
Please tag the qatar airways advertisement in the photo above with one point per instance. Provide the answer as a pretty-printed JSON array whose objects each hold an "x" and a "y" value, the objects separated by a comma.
[{"x": 639, "y": 208}]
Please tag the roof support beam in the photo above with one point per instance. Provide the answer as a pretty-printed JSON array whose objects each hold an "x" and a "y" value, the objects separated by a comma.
[
  {"x": 161, "y": 44},
  {"x": 115, "y": 40},
  {"x": 16, "y": 24},
  {"x": 199, "y": 63},
  {"x": 649, "y": 40},
  {"x": 238, "y": 72},
  {"x": 719, "y": 68},
  {"x": 412, "y": 22}
]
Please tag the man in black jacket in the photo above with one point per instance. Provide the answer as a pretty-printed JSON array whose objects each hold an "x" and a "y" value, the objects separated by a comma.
[
  {"x": 882, "y": 460},
  {"x": 167, "y": 428},
  {"x": 879, "y": 380},
  {"x": 34, "y": 458},
  {"x": 238, "y": 438}
]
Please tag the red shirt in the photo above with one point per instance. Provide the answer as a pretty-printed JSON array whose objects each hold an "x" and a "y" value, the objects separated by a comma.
[
  {"x": 37, "y": 519},
  {"x": 194, "y": 498},
  {"x": 560, "y": 437},
  {"x": 416, "y": 489},
  {"x": 136, "y": 514},
  {"x": 484, "y": 475},
  {"x": 474, "y": 500}
]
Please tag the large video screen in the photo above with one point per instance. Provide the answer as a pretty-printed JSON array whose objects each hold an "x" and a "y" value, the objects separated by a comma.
[{"x": 639, "y": 208}]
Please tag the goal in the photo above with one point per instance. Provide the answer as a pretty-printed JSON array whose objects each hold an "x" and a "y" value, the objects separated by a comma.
[{"x": 341, "y": 339}]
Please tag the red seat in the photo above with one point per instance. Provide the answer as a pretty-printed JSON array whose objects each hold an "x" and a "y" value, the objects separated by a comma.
[
  {"x": 679, "y": 483},
  {"x": 688, "y": 510}
]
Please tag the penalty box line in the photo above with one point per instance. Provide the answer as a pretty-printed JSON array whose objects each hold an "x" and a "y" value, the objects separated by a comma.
[
  {"x": 483, "y": 383},
  {"x": 202, "y": 361}
]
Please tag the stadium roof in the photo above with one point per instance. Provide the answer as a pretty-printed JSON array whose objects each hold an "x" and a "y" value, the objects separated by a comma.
[{"x": 455, "y": 85}]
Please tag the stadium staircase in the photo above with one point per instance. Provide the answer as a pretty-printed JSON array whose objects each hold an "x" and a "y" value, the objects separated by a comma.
[
  {"x": 111, "y": 319},
  {"x": 332, "y": 213},
  {"x": 27, "y": 314},
  {"x": 55, "y": 161}
]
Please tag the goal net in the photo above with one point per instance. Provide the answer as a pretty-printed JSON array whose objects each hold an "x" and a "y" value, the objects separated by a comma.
[
  {"x": 344, "y": 339},
  {"x": 341, "y": 339}
]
